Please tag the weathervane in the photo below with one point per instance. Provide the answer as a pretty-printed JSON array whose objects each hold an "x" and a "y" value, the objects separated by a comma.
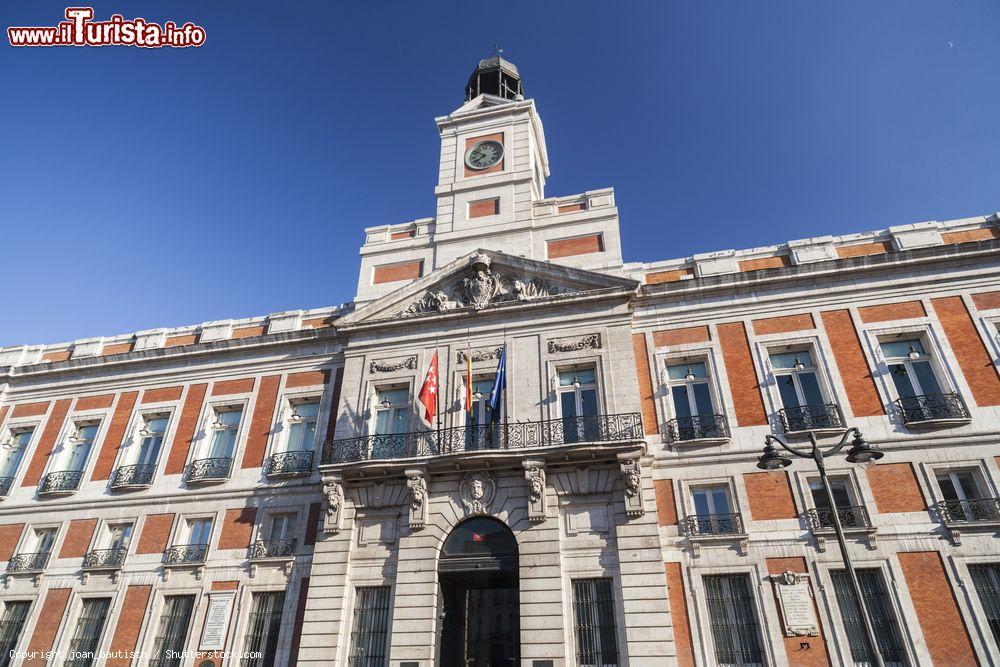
[{"x": 497, "y": 49}]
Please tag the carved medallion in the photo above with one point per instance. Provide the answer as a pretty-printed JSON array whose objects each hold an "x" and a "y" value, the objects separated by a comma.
[{"x": 477, "y": 490}]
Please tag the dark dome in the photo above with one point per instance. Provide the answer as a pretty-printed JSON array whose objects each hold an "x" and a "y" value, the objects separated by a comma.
[{"x": 495, "y": 76}]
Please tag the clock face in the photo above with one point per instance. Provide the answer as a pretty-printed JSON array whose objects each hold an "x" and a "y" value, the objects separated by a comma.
[{"x": 483, "y": 155}]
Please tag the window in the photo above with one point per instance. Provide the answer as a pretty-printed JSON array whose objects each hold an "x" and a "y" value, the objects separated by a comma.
[
  {"x": 964, "y": 499},
  {"x": 880, "y": 612},
  {"x": 263, "y": 627},
  {"x": 12, "y": 454},
  {"x": 199, "y": 532},
  {"x": 40, "y": 541},
  {"x": 578, "y": 403},
  {"x": 851, "y": 515},
  {"x": 171, "y": 634},
  {"x": 111, "y": 547},
  {"x": 733, "y": 620},
  {"x": 81, "y": 442},
  {"x": 803, "y": 400},
  {"x": 986, "y": 579},
  {"x": 154, "y": 427},
  {"x": 910, "y": 368},
  {"x": 691, "y": 397},
  {"x": 392, "y": 410},
  {"x": 119, "y": 535},
  {"x": 90, "y": 625},
  {"x": 225, "y": 427},
  {"x": 371, "y": 626},
  {"x": 11, "y": 626},
  {"x": 596, "y": 628},
  {"x": 713, "y": 512},
  {"x": 302, "y": 426},
  {"x": 481, "y": 390}
]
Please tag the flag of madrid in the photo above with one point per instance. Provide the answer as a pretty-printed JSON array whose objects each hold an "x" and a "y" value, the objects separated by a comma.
[{"x": 428, "y": 396}]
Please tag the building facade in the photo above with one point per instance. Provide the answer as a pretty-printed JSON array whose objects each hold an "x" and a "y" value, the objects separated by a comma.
[{"x": 267, "y": 492}]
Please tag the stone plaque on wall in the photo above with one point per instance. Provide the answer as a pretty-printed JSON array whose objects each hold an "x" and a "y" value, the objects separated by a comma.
[
  {"x": 213, "y": 635},
  {"x": 795, "y": 601}
]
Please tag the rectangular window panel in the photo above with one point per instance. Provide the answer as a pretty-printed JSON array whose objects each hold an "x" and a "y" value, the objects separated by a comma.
[
  {"x": 89, "y": 626},
  {"x": 596, "y": 628},
  {"x": 882, "y": 618},
  {"x": 369, "y": 633},
  {"x": 172, "y": 632},
  {"x": 986, "y": 579},
  {"x": 11, "y": 627},
  {"x": 263, "y": 627},
  {"x": 733, "y": 620}
]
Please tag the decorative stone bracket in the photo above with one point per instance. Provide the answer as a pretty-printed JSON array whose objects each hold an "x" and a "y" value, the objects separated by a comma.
[
  {"x": 534, "y": 473},
  {"x": 334, "y": 491},
  {"x": 632, "y": 476},
  {"x": 416, "y": 479}
]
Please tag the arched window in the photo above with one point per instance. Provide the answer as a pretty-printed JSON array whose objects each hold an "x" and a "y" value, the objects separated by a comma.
[{"x": 481, "y": 536}]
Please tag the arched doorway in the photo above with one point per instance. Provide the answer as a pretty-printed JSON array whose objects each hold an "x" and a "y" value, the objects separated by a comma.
[{"x": 479, "y": 608}]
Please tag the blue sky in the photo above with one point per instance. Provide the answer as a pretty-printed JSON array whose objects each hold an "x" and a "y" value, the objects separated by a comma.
[{"x": 148, "y": 188}]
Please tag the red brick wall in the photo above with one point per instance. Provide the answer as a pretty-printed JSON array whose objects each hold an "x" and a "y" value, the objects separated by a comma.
[
  {"x": 129, "y": 623},
  {"x": 186, "y": 428},
  {"x": 162, "y": 394},
  {"x": 155, "y": 533},
  {"x": 679, "y": 615},
  {"x": 225, "y": 585},
  {"x": 895, "y": 488},
  {"x": 226, "y": 387},
  {"x": 30, "y": 409},
  {"x": 78, "y": 537},
  {"x": 237, "y": 528},
  {"x": 862, "y": 249},
  {"x": 108, "y": 449},
  {"x": 769, "y": 495},
  {"x": 581, "y": 245},
  {"x": 817, "y": 653},
  {"x": 572, "y": 208},
  {"x": 759, "y": 263},
  {"x": 973, "y": 358},
  {"x": 747, "y": 401},
  {"x": 184, "y": 339},
  {"x": 300, "y": 614},
  {"x": 318, "y": 322},
  {"x": 933, "y": 598},
  {"x": 47, "y": 625},
  {"x": 851, "y": 363},
  {"x": 390, "y": 273},
  {"x": 407, "y": 234},
  {"x": 10, "y": 533},
  {"x": 673, "y": 275},
  {"x": 785, "y": 323},
  {"x": 249, "y": 332},
  {"x": 117, "y": 348},
  {"x": 904, "y": 310},
  {"x": 312, "y": 524},
  {"x": 260, "y": 424},
  {"x": 666, "y": 507},
  {"x": 669, "y": 337},
  {"x": 53, "y": 426},
  {"x": 58, "y": 355},
  {"x": 981, "y": 234},
  {"x": 474, "y": 140},
  {"x": 484, "y": 207},
  {"x": 649, "y": 421},
  {"x": 94, "y": 402},
  {"x": 331, "y": 423},
  {"x": 307, "y": 379},
  {"x": 3, "y": 412},
  {"x": 986, "y": 300}
]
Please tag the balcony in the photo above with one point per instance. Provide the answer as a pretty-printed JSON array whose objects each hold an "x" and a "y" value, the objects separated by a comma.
[
  {"x": 289, "y": 464},
  {"x": 932, "y": 410},
  {"x": 273, "y": 549},
  {"x": 185, "y": 554},
  {"x": 709, "y": 528},
  {"x": 35, "y": 562},
  {"x": 5, "y": 484},
  {"x": 104, "y": 559},
  {"x": 137, "y": 476},
  {"x": 209, "y": 470},
  {"x": 499, "y": 438},
  {"x": 979, "y": 510},
  {"x": 805, "y": 418},
  {"x": 65, "y": 481},
  {"x": 853, "y": 519},
  {"x": 698, "y": 429}
]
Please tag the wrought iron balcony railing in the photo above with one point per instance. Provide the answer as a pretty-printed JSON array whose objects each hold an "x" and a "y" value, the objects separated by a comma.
[
  {"x": 498, "y": 437},
  {"x": 209, "y": 470},
  {"x": 5, "y": 484},
  {"x": 854, "y": 516},
  {"x": 811, "y": 418},
  {"x": 969, "y": 511},
  {"x": 713, "y": 524},
  {"x": 931, "y": 407},
  {"x": 104, "y": 559},
  {"x": 32, "y": 562},
  {"x": 185, "y": 554},
  {"x": 289, "y": 464},
  {"x": 698, "y": 427},
  {"x": 64, "y": 481},
  {"x": 132, "y": 476},
  {"x": 264, "y": 549}
]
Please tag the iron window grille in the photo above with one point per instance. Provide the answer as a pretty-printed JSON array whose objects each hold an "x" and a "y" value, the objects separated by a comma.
[
  {"x": 370, "y": 629},
  {"x": 5, "y": 484},
  {"x": 811, "y": 418},
  {"x": 853, "y": 516},
  {"x": 733, "y": 620},
  {"x": 596, "y": 627},
  {"x": 289, "y": 464},
  {"x": 522, "y": 435},
  {"x": 139, "y": 474},
  {"x": 172, "y": 632},
  {"x": 882, "y": 618},
  {"x": 63, "y": 481},
  {"x": 104, "y": 559},
  {"x": 713, "y": 524},
  {"x": 263, "y": 627},
  {"x": 184, "y": 554},
  {"x": 986, "y": 579},
  {"x": 969, "y": 511},
  {"x": 11, "y": 626},
  {"x": 698, "y": 427},
  {"x": 29, "y": 562},
  {"x": 89, "y": 627},
  {"x": 931, "y": 407},
  {"x": 264, "y": 549},
  {"x": 209, "y": 470}
]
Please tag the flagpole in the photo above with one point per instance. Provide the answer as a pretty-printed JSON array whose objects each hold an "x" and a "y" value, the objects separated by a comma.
[{"x": 506, "y": 433}]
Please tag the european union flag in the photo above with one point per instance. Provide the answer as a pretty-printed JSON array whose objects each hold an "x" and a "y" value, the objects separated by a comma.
[{"x": 499, "y": 384}]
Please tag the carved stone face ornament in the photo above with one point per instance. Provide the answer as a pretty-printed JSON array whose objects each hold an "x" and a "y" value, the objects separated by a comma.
[{"x": 477, "y": 490}]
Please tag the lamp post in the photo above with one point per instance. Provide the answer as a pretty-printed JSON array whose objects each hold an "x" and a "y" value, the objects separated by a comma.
[{"x": 860, "y": 452}]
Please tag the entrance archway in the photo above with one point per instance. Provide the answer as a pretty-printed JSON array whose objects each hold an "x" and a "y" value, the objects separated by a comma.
[{"x": 480, "y": 606}]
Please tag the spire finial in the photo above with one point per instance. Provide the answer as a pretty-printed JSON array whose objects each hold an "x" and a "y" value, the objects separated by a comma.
[{"x": 497, "y": 49}]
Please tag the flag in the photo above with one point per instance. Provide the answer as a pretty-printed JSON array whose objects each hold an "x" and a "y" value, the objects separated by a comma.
[
  {"x": 499, "y": 384},
  {"x": 468, "y": 387},
  {"x": 428, "y": 396}
]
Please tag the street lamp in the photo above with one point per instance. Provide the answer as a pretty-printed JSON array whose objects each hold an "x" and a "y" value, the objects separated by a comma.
[{"x": 860, "y": 452}]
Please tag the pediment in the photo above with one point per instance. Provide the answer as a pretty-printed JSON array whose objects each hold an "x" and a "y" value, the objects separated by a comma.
[{"x": 486, "y": 279}]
